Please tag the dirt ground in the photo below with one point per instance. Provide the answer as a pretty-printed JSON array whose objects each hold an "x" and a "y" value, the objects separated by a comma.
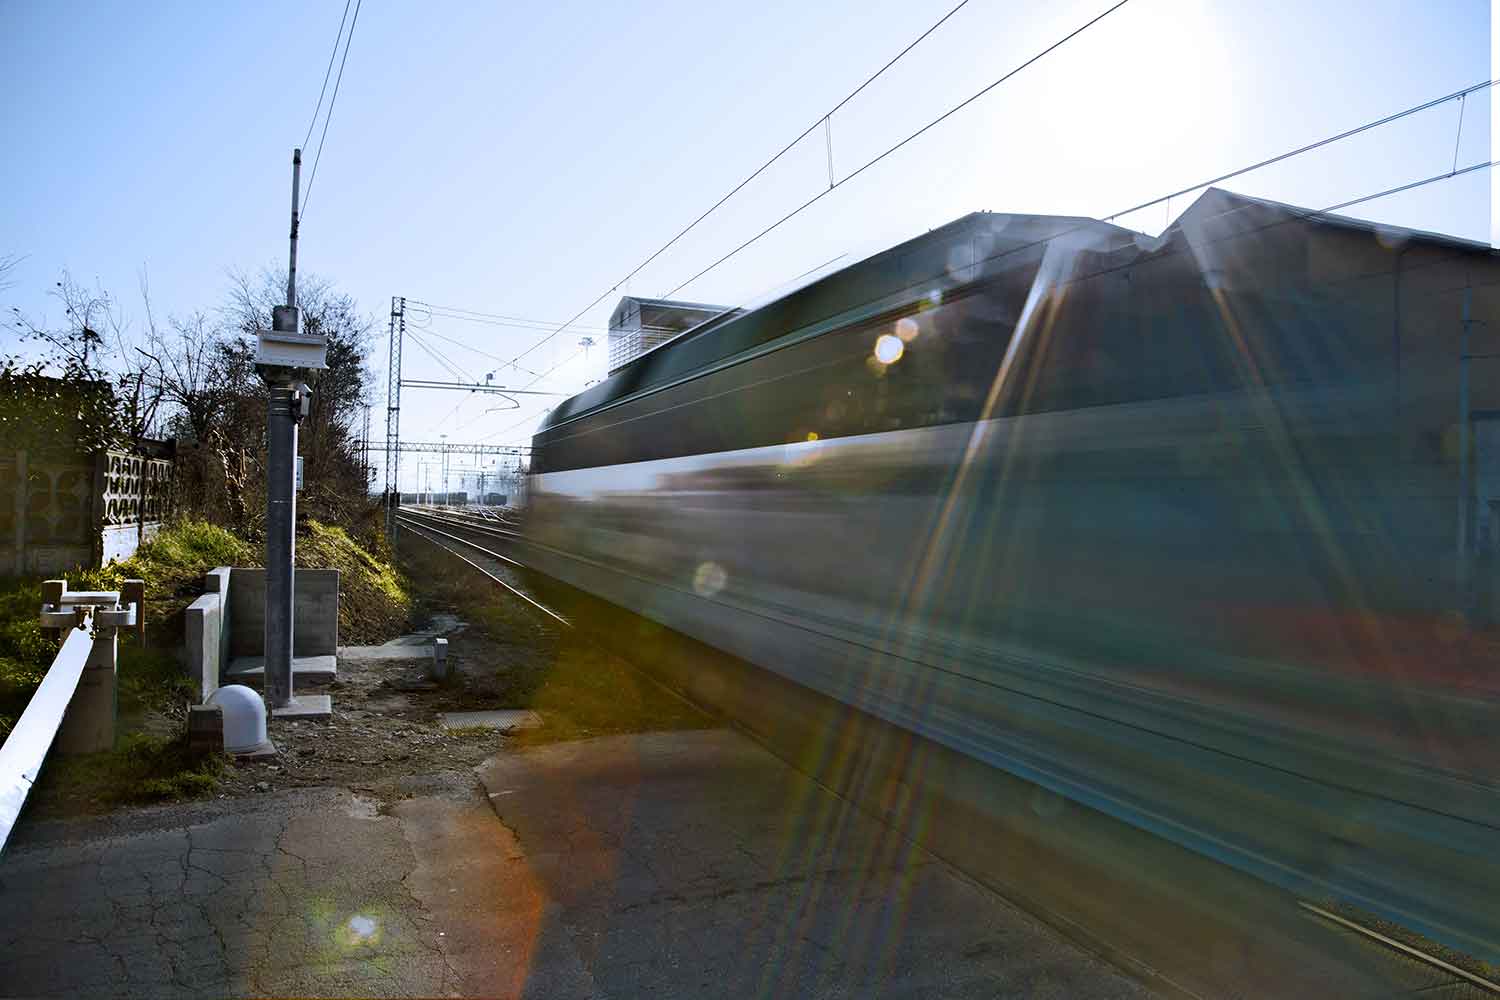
[{"x": 501, "y": 654}]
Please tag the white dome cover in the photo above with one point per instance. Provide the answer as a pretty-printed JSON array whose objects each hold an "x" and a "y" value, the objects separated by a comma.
[{"x": 244, "y": 719}]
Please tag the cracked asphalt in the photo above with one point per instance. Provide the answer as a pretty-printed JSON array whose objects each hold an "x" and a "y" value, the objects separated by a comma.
[{"x": 679, "y": 864}]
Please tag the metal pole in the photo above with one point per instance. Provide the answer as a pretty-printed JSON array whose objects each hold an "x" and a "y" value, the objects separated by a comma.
[
  {"x": 281, "y": 519},
  {"x": 393, "y": 418},
  {"x": 291, "y": 268},
  {"x": 281, "y": 497}
]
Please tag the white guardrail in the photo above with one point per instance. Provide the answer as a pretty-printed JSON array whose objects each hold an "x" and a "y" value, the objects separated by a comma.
[{"x": 74, "y": 707}]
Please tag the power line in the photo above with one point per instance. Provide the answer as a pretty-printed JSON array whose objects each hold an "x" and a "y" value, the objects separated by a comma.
[
  {"x": 1155, "y": 201},
  {"x": 474, "y": 315},
  {"x": 757, "y": 172},
  {"x": 870, "y": 163},
  {"x": 1456, "y": 95},
  {"x": 447, "y": 365},
  {"x": 538, "y": 413},
  {"x": 331, "y": 102},
  {"x": 326, "y": 73},
  {"x": 787, "y": 148},
  {"x": 516, "y": 324},
  {"x": 453, "y": 368},
  {"x": 484, "y": 354}
]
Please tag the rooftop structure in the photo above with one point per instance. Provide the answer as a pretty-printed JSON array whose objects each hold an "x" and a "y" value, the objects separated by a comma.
[{"x": 640, "y": 325}]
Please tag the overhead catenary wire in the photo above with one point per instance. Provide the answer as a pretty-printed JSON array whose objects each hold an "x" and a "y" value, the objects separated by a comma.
[
  {"x": 454, "y": 368},
  {"x": 333, "y": 53},
  {"x": 756, "y": 173},
  {"x": 446, "y": 365},
  {"x": 913, "y": 136},
  {"x": 496, "y": 319},
  {"x": 474, "y": 350},
  {"x": 1135, "y": 208},
  {"x": 1459, "y": 95},
  {"x": 323, "y": 138}
]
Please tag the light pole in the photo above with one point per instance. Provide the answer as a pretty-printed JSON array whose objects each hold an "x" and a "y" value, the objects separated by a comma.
[{"x": 285, "y": 355}]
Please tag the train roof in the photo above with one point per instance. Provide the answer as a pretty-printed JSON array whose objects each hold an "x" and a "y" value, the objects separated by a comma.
[
  {"x": 970, "y": 242},
  {"x": 974, "y": 238}
]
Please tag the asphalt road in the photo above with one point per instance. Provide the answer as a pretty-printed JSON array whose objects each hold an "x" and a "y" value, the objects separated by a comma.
[{"x": 679, "y": 864}]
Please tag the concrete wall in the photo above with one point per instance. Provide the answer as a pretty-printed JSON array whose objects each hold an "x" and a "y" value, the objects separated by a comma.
[
  {"x": 216, "y": 581},
  {"x": 315, "y": 626},
  {"x": 57, "y": 512},
  {"x": 203, "y": 627}
]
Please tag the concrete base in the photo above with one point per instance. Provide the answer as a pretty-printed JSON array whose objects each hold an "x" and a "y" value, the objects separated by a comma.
[
  {"x": 251, "y": 670},
  {"x": 305, "y": 706},
  {"x": 503, "y": 719},
  {"x": 260, "y": 751}
]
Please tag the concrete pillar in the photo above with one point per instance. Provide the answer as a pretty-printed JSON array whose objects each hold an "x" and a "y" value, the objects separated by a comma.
[
  {"x": 134, "y": 592},
  {"x": 281, "y": 520}
]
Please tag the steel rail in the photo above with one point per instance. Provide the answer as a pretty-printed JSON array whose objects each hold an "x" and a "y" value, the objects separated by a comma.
[{"x": 420, "y": 528}]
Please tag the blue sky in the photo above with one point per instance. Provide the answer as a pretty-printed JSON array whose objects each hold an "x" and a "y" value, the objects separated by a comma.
[{"x": 520, "y": 158}]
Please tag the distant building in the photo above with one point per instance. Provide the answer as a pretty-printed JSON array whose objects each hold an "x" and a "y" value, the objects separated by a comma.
[{"x": 640, "y": 325}]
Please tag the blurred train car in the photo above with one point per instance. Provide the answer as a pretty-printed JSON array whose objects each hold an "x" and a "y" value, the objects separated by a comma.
[{"x": 1193, "y": 529}]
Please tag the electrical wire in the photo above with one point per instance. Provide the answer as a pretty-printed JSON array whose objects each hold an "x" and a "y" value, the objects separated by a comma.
[
  {"x": 326, "y": 74},
  {"x": 484, "y": 354},
  {"x": 932, "y": 124},
  {"x": 448, "y": 366},
  {"x": 456, "y": 369},
  {"x": 475, "y": 316},
  {"x": 331, "y": 102},
  {"x": 1147, "y": 204},
  {"x": 757, "y": 172},
  {"x": 1456, "y": 95},
  {"x": 515, "y": 324}
]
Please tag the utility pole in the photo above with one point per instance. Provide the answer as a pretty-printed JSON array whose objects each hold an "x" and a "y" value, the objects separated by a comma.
[
  {"x": 393, "y": 417},
  {"x": 283, "y": 354}
]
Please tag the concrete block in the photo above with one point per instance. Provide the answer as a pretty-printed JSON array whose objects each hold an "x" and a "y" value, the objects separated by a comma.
[
  {"x": 205, "y": 731},
  {"x": 134, "y": 592},
  {"x": 88, "y": 726},
  {"x": 315, "y": 620},
  {"x": 439, "y": 659},
  {"x": 251, "y": 670},
  {"x": 501, "y": 719},
  {"x": 202, "y": 625},
  {"x": 305, "y": 706}
]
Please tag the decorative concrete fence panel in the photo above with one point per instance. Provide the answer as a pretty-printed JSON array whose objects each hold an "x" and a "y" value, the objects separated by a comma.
[{"x": 77, "y": 510}]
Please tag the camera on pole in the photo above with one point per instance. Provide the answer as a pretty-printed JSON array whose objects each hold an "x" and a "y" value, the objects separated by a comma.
[{"x": 286, "y": 356}]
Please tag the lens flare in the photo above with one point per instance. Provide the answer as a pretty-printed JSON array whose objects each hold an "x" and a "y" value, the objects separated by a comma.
[
  {"x": 709, "y": 579},
  {"x": 889, "y": 348}
]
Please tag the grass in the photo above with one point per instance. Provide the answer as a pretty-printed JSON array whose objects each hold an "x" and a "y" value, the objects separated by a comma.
[
  {"x": 374, "y": 601},
  {"x": 143, "y": 768},
  {"x": 172, "y": 564},
  {"x": 146, "y": 765}
]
